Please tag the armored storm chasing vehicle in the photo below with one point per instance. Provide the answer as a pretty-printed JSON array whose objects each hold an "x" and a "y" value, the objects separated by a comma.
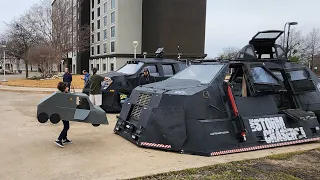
[
  {"x": 127, "y": 78},
  {"x": 70, "y": 107},
  {"x": 266, "y": 102}
]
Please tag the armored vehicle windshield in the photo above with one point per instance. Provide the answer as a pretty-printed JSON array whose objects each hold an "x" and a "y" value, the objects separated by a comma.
[
  {"x": 131, "y": 68},
  {"x": 203, "y": 73}
]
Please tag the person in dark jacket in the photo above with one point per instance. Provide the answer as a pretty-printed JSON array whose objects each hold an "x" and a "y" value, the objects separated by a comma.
[
  {"x": 67, "y": 78},
  {"x": 62, "y": 139},
  {"x": 146, "y": 78}
]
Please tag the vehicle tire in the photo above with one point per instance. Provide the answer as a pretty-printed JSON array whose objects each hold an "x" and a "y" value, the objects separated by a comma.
[
  {"x": 55, "y": 118},
  {"x": 95, "y": 125},
  {"x": 43, "y": 117}
]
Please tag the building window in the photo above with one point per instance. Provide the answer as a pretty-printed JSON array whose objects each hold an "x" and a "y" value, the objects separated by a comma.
[
  {"x": 98, "y": 49},
  {"x": 113, "y": 31},
  {"x": 92, "y": 38},
  {"x": 105, "y": 48},
  {"x": 104, "y": 67},
  {"x": 112, "y": 47},
  {"x": 105, "y": 21},
  {"x": 91, "y": 66},
  {"x": 92, "y": 27},
  {"x": 98, "y": 36},
  {"x": 92, "y": 3},
  {"x": 98, "y": 67},
  {"x": 92, "y": 15},
  {"x": 105, "y": 34},
  {"x": 105, "y": 7},
  {"x": 92, "y": 51},
  {"x": 113, "y": 17},
  {"x": 113, "y": 4},
  {"x": 98, "y": 24},
  {"x": 111, "y": 67},
  {"x": 98, "y": 1},
  {"x": 98, "y": 13}
]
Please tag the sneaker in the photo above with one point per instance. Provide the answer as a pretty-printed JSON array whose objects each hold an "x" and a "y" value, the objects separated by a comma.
[
  {"x": 59, "y": 143},
  {"x": 66, "y": 141}
]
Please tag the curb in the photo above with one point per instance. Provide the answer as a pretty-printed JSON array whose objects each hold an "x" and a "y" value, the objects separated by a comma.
[
  {"x": 29, "y": 89},
  {"x": 26, "y": 91}
]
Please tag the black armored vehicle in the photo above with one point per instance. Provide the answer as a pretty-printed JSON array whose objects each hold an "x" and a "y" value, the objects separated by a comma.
[
  {"x": 259, "y": 100},
  {"x": 127, "y": 78}
]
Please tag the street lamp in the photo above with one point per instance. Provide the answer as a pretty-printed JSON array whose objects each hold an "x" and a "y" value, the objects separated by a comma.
[
  {"x": 135, "y": 44},
  {"x": 4, "y": 63},
  {"x": 284, "y": 36}
]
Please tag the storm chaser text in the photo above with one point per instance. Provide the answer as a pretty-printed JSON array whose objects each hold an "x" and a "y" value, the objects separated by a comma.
[{"x": 274, "y": 130}]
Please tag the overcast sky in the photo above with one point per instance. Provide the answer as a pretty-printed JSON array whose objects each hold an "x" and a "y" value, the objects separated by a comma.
[{"x": 230, "y": 23}]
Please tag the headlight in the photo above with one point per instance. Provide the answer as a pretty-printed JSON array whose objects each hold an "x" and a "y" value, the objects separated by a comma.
[{"x": 180, "y": 92}]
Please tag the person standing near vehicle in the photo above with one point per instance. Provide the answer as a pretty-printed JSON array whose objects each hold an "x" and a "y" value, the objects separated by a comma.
[
  {"x": 86, "y": 76},
  {"x": 146, "y": 78},
  {"x": 67, "y": 78},
  {"x": 95, "y": 94},
  {"x": 62, "y": 139}
]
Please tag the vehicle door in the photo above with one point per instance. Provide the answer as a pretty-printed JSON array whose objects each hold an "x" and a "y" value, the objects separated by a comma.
[
  {"x": 303, "y": 90},
  {"x": 82, "y": 109}
]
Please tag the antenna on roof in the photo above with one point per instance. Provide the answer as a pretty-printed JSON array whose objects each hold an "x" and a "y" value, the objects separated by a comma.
[
  {"x": 159, "y": 53},
  {"x": 178, "y": 52}
]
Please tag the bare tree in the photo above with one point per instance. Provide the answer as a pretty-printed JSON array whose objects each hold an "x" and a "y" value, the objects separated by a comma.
[
  {"x": 228, "y": 53},
  {"x": 312, "y": 46},
  {"x": 45, "y": 56},
  {"x": 19, "y": 39}
]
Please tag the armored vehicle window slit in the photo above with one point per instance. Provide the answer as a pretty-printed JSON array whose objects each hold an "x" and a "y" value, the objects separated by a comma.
[
  {"x": 168, "y": 70},
  {"x": 153, "y": 70},
  {"x": 261, "y": 76}
]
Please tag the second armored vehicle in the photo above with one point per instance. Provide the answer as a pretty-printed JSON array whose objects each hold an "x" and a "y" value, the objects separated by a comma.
[{"x": 127, "y": 78}]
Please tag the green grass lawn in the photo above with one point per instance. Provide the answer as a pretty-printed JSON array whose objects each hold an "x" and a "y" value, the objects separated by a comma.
[{"x": 289, "y": 166}]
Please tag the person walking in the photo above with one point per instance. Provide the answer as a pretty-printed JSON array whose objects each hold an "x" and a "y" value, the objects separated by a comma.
[
  {"x": 67, "y": 78},
  {"x": 62, "y": 139},
  {"x": 86, "y": 76},
  {"x": 95, "y": 93},
  {"x": 146, "y": 78}
]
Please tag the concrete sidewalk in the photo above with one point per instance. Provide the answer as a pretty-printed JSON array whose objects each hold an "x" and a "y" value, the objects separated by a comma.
[{"x": 30, "y": 89}]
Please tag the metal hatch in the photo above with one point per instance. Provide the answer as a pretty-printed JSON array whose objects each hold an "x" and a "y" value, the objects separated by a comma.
[
  {"x": 266, "y": 36},
  {"x": 265, "y": 46}
]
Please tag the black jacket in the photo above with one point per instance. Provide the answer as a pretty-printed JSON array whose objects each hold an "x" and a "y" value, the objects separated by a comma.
[
  {"x": 146, "y": 80},
  {"x": 67, "y": 77}
]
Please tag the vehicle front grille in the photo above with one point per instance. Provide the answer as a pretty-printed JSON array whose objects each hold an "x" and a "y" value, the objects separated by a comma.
[
  {"x": 136, "y": 112},
  {"x": 144, "y": 99}
]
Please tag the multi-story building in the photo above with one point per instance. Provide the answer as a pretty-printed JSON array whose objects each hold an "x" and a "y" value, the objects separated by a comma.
[
  {"x": 71, "y": 16},
  {"x": 115, "y": 24}
]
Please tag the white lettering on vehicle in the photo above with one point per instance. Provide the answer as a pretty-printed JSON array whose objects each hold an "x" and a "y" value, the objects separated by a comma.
[
  {"x": 274, "y": 130},
  {"x": 218, "y": 133}
]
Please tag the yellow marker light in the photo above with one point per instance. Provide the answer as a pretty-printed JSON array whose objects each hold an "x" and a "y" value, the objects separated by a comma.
[
  {"x": 111, "y": 90},
  {"x": 70, "y": 99}
]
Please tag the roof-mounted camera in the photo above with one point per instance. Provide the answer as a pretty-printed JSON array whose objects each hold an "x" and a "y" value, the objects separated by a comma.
[{"x": 159, "y": 53}]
